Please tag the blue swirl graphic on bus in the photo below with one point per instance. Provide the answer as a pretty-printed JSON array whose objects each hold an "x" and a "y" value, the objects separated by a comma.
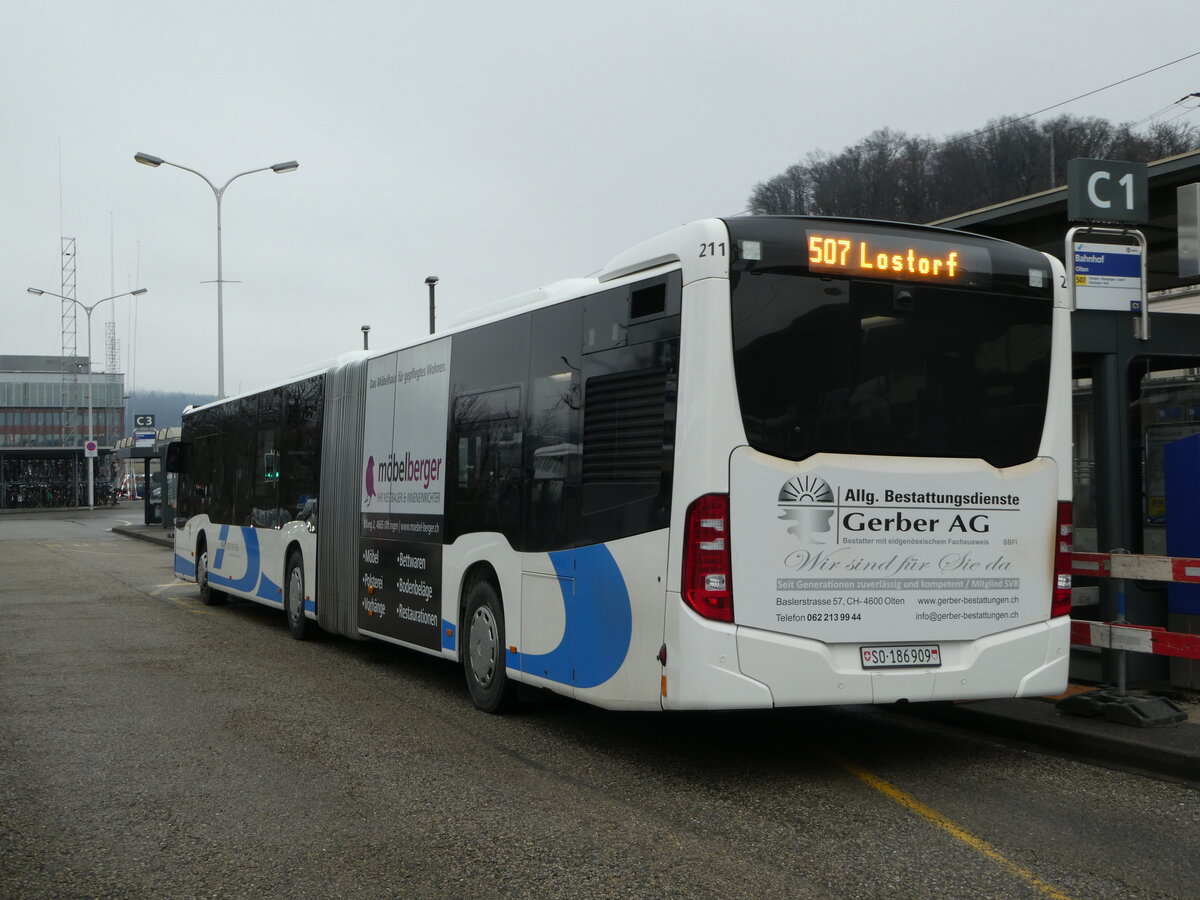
[
  {"x": 253, "y": 580},
  {"x": 599, "y": 621}
]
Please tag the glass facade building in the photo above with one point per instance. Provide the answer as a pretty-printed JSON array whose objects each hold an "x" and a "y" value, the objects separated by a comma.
[{"x": 44, "y": 425}]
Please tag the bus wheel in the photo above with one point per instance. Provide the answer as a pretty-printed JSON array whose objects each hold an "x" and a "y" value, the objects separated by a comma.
[
  {"x": 300, "y": 627},
  {"x": 483, "y": 649},
  {"x": 209, "y": 595}
]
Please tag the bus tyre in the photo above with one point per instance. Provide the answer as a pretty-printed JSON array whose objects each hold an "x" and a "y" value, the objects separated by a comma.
[
  {"x": 209, "y": 595},
  {"x": 483, "y": 650},
  {"x": 293, "y": 598}
]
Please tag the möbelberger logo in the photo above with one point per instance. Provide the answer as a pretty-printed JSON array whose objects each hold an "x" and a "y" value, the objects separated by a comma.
[
  {"x": 807, "y": 503},
  {"x": 370, "y": 479},
  {"x": 418, "y": 472}
]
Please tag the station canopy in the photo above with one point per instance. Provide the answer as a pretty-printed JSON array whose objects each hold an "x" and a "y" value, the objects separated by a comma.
[{"x": 1040, "y": 220}]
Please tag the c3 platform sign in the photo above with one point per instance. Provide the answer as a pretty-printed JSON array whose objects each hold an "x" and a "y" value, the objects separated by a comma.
[{"x": 1107, "y": 191}]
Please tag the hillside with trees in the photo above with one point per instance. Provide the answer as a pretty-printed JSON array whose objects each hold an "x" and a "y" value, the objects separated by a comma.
[
  {"x": 166, "y": 406},
  {"x": 893, "y": 175}
]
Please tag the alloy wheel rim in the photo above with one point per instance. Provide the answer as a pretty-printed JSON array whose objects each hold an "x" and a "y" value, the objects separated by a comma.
[
  {"x": 296, "y": 595},
  {"x": 484, "y": 646}
]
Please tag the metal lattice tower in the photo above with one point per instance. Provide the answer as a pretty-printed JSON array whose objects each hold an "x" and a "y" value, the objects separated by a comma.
[
  {"x": 70, "y": 348},
  {"x": 112, "y": 356}
]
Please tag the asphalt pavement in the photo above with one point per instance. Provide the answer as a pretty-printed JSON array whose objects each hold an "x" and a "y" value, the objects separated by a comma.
[
  {"x": 156, "y": 747},
  {"x": 1105, "y": 738}
]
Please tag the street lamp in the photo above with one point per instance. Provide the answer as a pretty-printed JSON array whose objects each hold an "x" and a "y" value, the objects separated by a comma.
[
  {"x": 432, "y": 281},
  {"x": 89, "y": 308},
  {"x": 154, "y": 162}
]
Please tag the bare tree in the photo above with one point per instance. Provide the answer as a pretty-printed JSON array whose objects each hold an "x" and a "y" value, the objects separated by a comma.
[
  {"x": 786, "y": 194},
  {"x": 892, "y": 175}
]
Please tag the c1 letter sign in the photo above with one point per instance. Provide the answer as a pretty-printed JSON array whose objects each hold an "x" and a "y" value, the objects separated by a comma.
[{"x": 1103, "y": 190}]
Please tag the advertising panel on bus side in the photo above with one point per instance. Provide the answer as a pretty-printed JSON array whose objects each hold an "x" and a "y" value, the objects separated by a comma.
[{"x": 402, "y": 494}]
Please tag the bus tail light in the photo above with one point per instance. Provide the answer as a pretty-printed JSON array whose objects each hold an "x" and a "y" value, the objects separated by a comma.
[
  {"x": 707, "y": 566},
  {"x": 1060, "y": 605}
]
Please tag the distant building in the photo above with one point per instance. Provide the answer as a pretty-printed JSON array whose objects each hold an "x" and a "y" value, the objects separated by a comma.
[{"x": 44, "y": 426}]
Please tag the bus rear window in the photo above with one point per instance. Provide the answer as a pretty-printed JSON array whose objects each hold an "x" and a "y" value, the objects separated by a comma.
[{"x": 847, "y": 366}]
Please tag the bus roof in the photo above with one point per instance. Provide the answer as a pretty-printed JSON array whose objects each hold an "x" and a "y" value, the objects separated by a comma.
[{"x": 656, "y": 252}]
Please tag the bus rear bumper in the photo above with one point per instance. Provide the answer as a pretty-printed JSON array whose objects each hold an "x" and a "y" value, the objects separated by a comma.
[
  {"x": 701, "y": 670},
  {"x": 1025, "y": 662}
]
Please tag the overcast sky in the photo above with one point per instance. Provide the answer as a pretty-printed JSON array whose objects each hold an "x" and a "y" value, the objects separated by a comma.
[{"x": 499, "y": 146}]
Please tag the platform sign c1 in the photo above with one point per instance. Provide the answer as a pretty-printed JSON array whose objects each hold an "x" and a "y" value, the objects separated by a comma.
[{"x": 1108, "y": 191}]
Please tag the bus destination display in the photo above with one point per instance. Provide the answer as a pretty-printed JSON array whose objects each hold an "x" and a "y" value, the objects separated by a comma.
[{"x": 888, "y": 256}]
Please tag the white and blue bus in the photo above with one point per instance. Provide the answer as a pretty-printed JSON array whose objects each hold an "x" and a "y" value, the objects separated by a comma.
[{"x": 755, "y": 462}]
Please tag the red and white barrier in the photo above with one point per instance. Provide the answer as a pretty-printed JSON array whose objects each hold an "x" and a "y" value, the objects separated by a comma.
[
  {"x": 1135, "y": 638},
  {"x": 1136, "y": 567}
]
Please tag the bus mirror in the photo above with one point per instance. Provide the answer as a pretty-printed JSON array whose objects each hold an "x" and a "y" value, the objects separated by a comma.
[{"x": 179, "y": 457}]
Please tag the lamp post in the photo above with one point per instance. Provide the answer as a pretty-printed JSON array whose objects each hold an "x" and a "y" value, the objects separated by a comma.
[
  {"x": 89, "y": 308},
  {"x": 432, "y": 281},
  {"x": 154, "y": 162}
]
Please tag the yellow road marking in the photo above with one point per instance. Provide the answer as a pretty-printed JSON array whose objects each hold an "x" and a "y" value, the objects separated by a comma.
[{"x": 951, "y": 827}]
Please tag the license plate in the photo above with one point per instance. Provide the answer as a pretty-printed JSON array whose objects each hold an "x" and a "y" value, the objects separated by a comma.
[{"x": 901, "y": 656}]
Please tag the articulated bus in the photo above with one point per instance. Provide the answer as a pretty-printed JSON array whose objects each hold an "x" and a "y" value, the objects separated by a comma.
[{"x": 755, "y": 462}]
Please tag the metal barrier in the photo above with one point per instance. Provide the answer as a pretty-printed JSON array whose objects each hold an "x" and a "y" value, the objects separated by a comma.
[{"x": 1122, "y": 637}]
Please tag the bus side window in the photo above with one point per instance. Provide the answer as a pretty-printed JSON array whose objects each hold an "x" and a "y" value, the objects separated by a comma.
[
  {"x": 241, "y": 446},
  {"x": 487, "y": 427},
  {"x": 553, "y": 442},
  {"x": 222, "y": 483},
  {"x": 300, "y": 475},
  {"x": 485, "y": 471},
  {"x": 196, "y": 487},
  {"x": 628, "y": 440},
  {"x": 265, "y": 511},
  {"x": 630, "y": 383}
]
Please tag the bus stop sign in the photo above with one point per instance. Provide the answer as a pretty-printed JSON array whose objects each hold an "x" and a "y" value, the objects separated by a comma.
[
  {"x": 1103, "y": 190},
  {"x": 1107, "y": 275}
]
